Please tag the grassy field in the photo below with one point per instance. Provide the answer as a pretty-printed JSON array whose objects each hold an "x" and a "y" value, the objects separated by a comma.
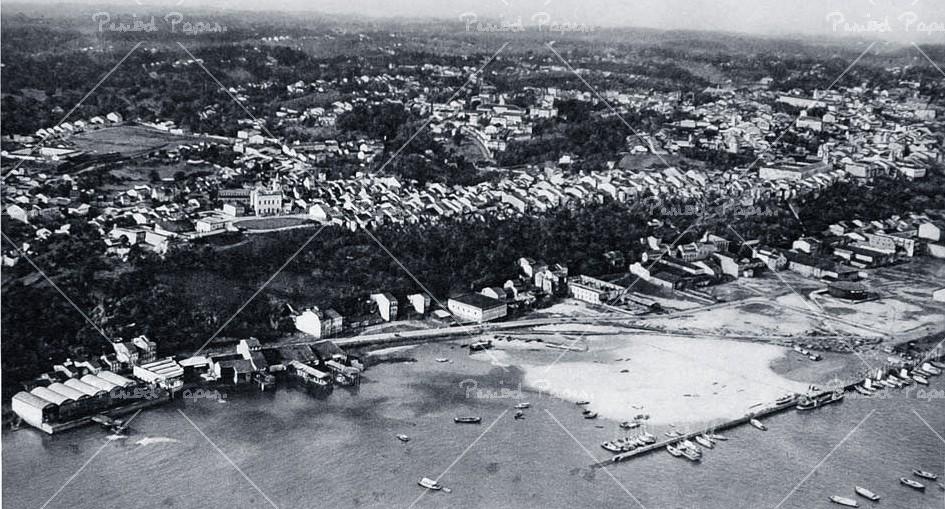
[
  {"x": 125, "y": 139},
  {"x": 268, "y": 223}
]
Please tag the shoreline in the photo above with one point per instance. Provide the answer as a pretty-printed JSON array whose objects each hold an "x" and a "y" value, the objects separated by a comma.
[{"x": 636, "y": 374}]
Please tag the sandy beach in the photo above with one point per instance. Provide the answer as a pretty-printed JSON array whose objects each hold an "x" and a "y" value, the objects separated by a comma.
[{"x": 682, "y": 381}]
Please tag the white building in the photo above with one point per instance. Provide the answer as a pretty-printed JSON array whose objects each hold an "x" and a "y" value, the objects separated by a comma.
[
  {"x": 166, "y": 373},
  {"x": 474, "y": 307}
]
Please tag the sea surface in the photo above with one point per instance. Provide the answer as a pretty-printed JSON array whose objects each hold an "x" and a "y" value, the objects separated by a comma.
[{"x": 340, "y": 450}]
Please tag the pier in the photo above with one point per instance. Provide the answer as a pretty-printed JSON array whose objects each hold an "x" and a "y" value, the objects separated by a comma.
[
  {"x": 661, "y": 444},
  {"x": 764, "y": 412}
]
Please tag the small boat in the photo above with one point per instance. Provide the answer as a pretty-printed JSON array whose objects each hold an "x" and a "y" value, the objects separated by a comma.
[
  {"x": 612, "y": 447},
  {"x": 442, "y": 359},
  {"x": 519, "y": 414},
  {"x": 758, "y": 424},
  {"x": 941, "y": 486},
  {"x": 522, "y": 406},
  {"x": 848, "y": 502},
  {"x": 467, "y": 420},
  {"x": 586, "y": 411},
  {"x": 590, "y": 415},
  {"x": 923, "y": 473},
  {"x": 673, "y": 450},
  {"x": 704, "y": 441},
  {"x": 403, "y": 438},
  {"x": 430, "y": 484},
  {"x": 629, "y": 424},
  {"x": 691, "y": 455},
  {"x": 912, "y": 484},
  {"x": 920, "y": 379},
  {"x": 648, "y": 438},
  {"x": 583, "y": 402},
  {"x": 865, "y": 493}
]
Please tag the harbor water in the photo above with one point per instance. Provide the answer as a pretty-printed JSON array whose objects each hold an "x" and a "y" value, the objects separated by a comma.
[{"x": 341, "y": 450}]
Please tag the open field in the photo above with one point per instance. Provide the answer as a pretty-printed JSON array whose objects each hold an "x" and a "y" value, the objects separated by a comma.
[
  {"x": 126, "y": 139},
  {"x": 270, "y": 223}
]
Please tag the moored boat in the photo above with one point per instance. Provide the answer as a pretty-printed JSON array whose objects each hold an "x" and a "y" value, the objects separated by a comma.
[
  {"x": 716, "y": 436},
  {"x": 825, "y": 398},
  {"x": 912, "y": 484},
  {"x": 673, "y": 450},
  {"x": 923, "y": 473},
  {"x": 704, "y": 441},
  {"x": 758, "y": 424},
  {"x": 611, "y": 447},
  {"x": 467, "y": 420},
  {"x": 920, "y": 379},
  {"x": 691, "y": 454},
  {"x": 862, "y": 390},
  {"x": 844, "y": 501},
  {"x": 590, "y": 415},
  {"x": 865, "y": 493},
  {"x": 430, "y": 484}
]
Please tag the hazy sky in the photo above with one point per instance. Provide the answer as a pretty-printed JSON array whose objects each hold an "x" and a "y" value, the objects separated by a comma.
[{"x": 900, "y": 19}]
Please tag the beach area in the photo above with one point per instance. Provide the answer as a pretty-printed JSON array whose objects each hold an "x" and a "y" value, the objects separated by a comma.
[{"x": 672, "y": 380}]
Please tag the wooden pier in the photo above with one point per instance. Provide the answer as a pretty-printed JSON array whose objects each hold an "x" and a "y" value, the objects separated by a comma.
[{"x": 661, "y": 444}]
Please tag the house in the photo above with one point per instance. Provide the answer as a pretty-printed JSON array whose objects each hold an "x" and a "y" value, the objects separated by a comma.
[
  {"x": 494, "y": 292},
  {"x": 386, "y": 305},
  {"x": 930, "y": 231},
  {"x": 212, "y": 222},
  {"x": 420, "y": 302},
  {"x": 318, "y": 323},
  {"x": 474, "y": 307},
  {"x": 232, "y": 368}
]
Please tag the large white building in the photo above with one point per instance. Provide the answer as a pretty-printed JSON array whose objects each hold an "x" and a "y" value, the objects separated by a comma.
[
  {"x": 166, "y": 373},
  {"x": 266, "y": 202},
  {"x": 474, "y": 307}
]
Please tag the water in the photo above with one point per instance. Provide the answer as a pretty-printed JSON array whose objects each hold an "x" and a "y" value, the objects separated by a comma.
[{"x": 341, "y": 451}]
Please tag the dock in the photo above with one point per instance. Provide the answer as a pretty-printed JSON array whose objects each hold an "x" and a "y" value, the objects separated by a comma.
[
  {"x": 661, "y": 444},
  {"x": 766, "y": 411}
]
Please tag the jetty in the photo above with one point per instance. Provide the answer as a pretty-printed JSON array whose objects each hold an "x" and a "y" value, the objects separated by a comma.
[
  {"x": 661, "y": 444},
  {"x": 765, "y": 411}
]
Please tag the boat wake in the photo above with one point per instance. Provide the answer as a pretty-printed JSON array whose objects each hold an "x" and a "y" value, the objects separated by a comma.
[{"x": 157, "y": 440}]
